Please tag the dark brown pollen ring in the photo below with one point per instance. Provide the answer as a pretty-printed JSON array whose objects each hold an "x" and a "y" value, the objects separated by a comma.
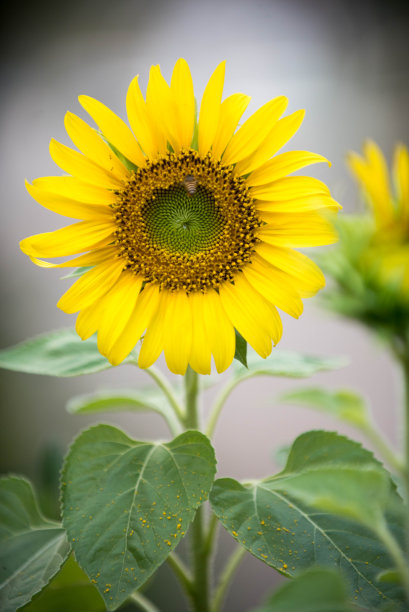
[{"x": 184, "y": 237}]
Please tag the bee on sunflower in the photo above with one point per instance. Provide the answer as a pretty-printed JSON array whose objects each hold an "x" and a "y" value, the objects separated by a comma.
[{"x": 188, "y": 224}]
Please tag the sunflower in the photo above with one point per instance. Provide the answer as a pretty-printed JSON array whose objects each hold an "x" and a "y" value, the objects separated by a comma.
[
  {"x": 386, "y": 257},
  {"x": 187, "y": 225}
]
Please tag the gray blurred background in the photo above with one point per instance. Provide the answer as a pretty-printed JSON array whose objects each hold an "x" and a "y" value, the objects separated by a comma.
[{"x": 346, "y": 63}]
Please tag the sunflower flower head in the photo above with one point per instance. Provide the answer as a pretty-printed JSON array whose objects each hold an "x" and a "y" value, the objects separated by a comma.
[
  {"x": 188, "y": 224},
  {"x": 371, "y": 262},
  {"x": 389, "y": 208}
]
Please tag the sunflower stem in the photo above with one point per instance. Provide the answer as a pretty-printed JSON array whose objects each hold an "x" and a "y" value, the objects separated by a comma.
[
  {"x": 405, "y": 366},
  {"x": 200, "y": 556},
  {"x": 191, "y": 418},
  {"x": 143, "y": 603},
  {"x": 226, "y": 577},
  {"x": 181, "y": 572},
  {"x": 221, "y": 400},
  {"x": 396, "y": 554},
  {"x": 163, "y": 384}
]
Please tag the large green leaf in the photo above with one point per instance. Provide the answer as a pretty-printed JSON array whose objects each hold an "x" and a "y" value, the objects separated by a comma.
[
  {"x": 335, "y": 474},
  {"x": 290, "y": 535},
  {"x": 32, "y": 547},
  {"x": 282, "y": 363},
  {"x": 127, "y": 504},
  {"x": 69, "y": 591},
  {"x": 315, "y": 590},
  {"x": 58, "y": 353},
  {"x": 344, "y": 404}
]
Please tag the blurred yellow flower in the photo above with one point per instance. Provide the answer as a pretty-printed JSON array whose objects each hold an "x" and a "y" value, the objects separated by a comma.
[
  {"x": 388, "y": 251},
  {"x": 189, "y": 225}
]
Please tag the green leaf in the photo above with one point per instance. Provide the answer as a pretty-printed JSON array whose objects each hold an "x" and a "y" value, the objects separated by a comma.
[
  {"x": 69, "y": 591},
  {"x": 344, "y": 404},
  {"x": 291, "y": 536},
  {"x": 291, "y": 365},
  {"x": 241, "y": 349},
  {"x": 150, "y": 399},
  {"x": 315, "y": 590},
  {"x": 77, "y": 272},
  {"x": 126, "y": 162},
  {"x": 127, "y": 504},
  {"x": 32, "y": 547},
  {"x": 340, "y": 490},
  {"x": 58, "y": 353},
  {"x": 337, "y": 475}
]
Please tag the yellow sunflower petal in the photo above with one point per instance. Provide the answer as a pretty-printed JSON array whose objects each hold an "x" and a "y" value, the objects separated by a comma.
[
  {"x": 81, "y": 167},
  {"x": 88, "y": 320},
  {"x": 279, "y": 135},
  {"x": 91, "y": 286},
  {"x": 219, "y": 331},
  {"x": 379, "y": 168},
  {"x": 74, "y": 189},
  {"x": 200, "y": 353},
  {"x": 283, "y": 165},
  {"x": 297, "y": 205},
  {"x": 67, "y": 207},
  {"x": 304, "y": 275},
  {"x": 401, "y": 176},
  {"x": 184, "y": 99},
  {"x": 161, "y": 105},
  {"x": 153, "y": 341},
  {"x": 210, "y": 109},
  {"x": 297, "y": 230},
  {"x": 254, "y": 131},
  {"x": 372, "y": 174},
  {"x": 70, "y": 240},
  {"x": 114, "y": 129},
  {"x": 147, "y": 132},
  {"x": 92, "y": 146},
  {"x": 274, "y": 285},
  {"x": 119, "y": 306},
  {"x": 290, "y": 188},
  {"x": 231, "y": 111},
  {"x": 178, "y": 332},
  {"x": 140, "y": 319},
  {"x": 245, "y": 314},
  {"x": 93, "y": 258}
]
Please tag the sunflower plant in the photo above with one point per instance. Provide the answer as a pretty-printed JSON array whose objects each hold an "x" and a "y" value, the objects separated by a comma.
[{"x": 185, "y": 245}]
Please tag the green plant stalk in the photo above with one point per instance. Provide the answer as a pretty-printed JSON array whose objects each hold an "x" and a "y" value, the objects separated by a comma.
[
  {"x": 200, "y": 590},
  {"x": 143, "y": 603},
  {"x": 163, "y": 384},
  {"x": 181, "y": 571},
  {"x": 226, "y": 578},
  {"x": 396, "y": 553},
  {"x": 221, "y": 400},
  {"x": 405, "y": 364},
  {"x": 374, "y": 436}
]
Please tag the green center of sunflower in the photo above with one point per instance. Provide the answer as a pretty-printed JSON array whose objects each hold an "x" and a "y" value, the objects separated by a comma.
[
  {"x": 183, "y": 222},
  {"x": 186, "y": 222}
]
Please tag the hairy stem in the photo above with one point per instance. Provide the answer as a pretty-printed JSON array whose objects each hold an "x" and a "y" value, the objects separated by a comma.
[
  {"x": 397, "y": 555},
  {"x": 405, "y": 365},
  {"x": 226, "y": 577},
  {"x": 181, "y": 572},
  {"x": 383, "y": 447},
  {"x": 143, "y": 603},
  {"x": 221, "y": 400},
  {"x": 163, "y": 384},
  {"x": 200, "y": 594}
]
